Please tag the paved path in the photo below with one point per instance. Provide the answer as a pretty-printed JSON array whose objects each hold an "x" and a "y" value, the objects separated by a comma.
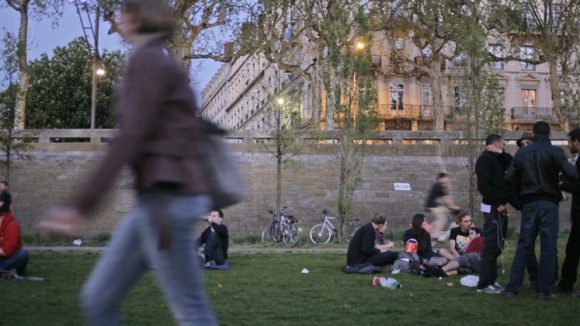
[{"x": 234, "y": 250}]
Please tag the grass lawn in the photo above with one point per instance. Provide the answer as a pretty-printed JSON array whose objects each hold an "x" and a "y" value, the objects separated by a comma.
[{"x": 268, "y": 289}]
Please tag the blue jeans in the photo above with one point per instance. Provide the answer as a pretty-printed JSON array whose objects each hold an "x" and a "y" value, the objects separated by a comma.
[
  {"x": 18, "y": 261},
  {"x": 494, "y": 229},
  {"x": 133, "y": 250},
  {"x": 537, "y": 217}
]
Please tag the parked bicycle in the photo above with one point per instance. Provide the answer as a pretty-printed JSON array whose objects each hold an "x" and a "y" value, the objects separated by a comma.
[
  {"x": 283, "y": 230},
  {"x": 326, "y": 231}
]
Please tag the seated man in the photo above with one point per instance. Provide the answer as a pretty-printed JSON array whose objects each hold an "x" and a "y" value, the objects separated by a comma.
[
  {"x": 466, "y": 263},
  {"x": 12, "y": 256},
  {"x": 363, "y": 248},
  {"x": 459, "y": 238},
  {"x": 215, "y": 238}
]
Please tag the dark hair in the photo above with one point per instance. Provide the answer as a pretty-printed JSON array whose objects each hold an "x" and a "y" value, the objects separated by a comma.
[
  {"x": 220, "y": 213},
  {"x": 492, "y": 139},
  {"x": 541, "y": 128},
  {"x": 378, "y": 219},
  {"x": 574, "y": 135},
  {"x": 462, "y": 215},
  {"x": 417, "y": 227},
  {"x": 4, "y": 182},
  {"x": 476, "y": 230},
  {"x": 153, "y": 16},
  {"x": 442, "y": 175}
]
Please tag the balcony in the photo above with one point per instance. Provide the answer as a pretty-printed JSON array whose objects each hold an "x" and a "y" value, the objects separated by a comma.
[
  {"x": 405, "y": 111},
  {"x": 533, "y": 114}
]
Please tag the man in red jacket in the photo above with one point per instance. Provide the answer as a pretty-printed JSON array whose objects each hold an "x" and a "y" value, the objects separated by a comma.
[{"x": 12, "y": 256}]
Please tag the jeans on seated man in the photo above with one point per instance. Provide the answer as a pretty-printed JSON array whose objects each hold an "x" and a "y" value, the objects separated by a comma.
[
  {"x": 12, "y": 256},
  {"x": 363, "y": 247},
  {"x": 216, "y": 239},
  {"x": 469, "y": 262}
]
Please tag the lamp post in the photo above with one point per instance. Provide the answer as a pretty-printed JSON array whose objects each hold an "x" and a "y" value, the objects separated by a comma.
[{"x": 96, "y": 69}]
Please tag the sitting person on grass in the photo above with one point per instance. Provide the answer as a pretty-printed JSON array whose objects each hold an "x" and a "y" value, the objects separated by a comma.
[
  {"x": 215, "y": 238},
  {"x": 12, "y": 256},
  {"x": 364, "y": 249},
  {"x": 459, "y": 238},
  {"x": 418, "y": 232},
  {"x": 468, "y": 262}
]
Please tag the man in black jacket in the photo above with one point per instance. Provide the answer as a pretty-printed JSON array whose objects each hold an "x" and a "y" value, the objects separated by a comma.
[
  {"x": 216, "y": 239},
  {"x": 570, "y": 266},
  {"x": 362, "y": 248},
  {"x": 490, "y": 169},
  {"x": 534, "y": 174}
]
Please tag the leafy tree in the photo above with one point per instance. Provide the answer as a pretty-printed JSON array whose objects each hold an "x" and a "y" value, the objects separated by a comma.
[
  {"x": 482, "y": 110},
  {"x": 283, "y": 120},
  {"x": 552, "y": 27},
  {"x": 39, "y": 9},
  {"x": 60, "y": 88}
]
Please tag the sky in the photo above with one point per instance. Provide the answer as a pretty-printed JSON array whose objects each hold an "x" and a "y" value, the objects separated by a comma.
[{"x": 44, "y": 37}]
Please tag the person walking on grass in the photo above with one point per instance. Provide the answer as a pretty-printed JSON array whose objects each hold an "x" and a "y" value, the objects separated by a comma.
[
  {"x": 534, "y": 174},
  {"x": 439, "y": 202},
  {"x": 158, "y": 127}
]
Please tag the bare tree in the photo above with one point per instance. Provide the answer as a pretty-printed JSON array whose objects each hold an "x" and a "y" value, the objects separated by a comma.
[
  {"x": 205, "y": 29},
  {"x": 39, "y": 9},
  {"x": 429, "y": 28}
]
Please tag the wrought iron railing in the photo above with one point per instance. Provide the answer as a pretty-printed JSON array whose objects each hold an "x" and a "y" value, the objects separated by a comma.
[
  {"x": 533, "y": 114},
  {"x": 405, "y": 111}
]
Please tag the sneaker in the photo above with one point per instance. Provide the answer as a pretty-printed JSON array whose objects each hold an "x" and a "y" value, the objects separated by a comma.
[
  {"x": 498, "y": 286},
  {"x": 490, "y": 289}
]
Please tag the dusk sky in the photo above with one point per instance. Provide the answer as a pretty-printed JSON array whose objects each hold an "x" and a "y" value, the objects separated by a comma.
[{"x": 43, "y": 38}]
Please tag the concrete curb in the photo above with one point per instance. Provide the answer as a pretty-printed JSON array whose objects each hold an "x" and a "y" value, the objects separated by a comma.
[{"x": 231, "y": 250}]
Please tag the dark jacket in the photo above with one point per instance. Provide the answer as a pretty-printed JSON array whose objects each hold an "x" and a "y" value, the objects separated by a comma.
[
  {"x": 490, "y": 169},
  {"x": 362, "y": 245},
  {"x": 222, "y": 232},
  {"x": 534, "y": 173},
  {"x": 425, "y": 250},
  {"x": 157, "y": 122},
  {"x": 573, "y": 187}
]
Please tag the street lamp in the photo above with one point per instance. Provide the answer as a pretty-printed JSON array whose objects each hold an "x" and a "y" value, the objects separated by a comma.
[{"x": 87, "y": 25}]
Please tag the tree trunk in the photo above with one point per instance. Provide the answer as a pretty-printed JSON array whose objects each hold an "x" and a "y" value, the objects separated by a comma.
[
  {"x": 331, "y": 99},
  {"x": 20, "y": 107},
  {"x": 181, "y": 49},
  {"x": 438, "y": 109},
  {"x": 554, "y": 81},
  {"x": 278, "y": 178}
]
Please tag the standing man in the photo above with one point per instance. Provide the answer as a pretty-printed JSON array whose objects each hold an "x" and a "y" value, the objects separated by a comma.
[
  {"x": 534, "y": 175},
  {"x": 490, "y": 169},
  {"x": 5, "y": 198},
  {"x": 158, "y": 130},
  {"x": 216, "y": 240},
  {"x": 570, "y": 266},
  {"x": 438, "y": 202}
]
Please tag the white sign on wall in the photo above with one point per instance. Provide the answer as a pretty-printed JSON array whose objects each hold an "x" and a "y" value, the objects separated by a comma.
[{"x": 400, "y": 186}]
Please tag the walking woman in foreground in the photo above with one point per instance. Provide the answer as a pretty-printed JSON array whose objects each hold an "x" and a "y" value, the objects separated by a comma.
[{"x": 157, "y": 132}]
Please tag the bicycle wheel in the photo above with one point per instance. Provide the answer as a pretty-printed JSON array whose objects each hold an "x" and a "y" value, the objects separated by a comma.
[
  {"x": 290, "y": 235},
  {"x": 320, "y": 234},
  {"x": 271, "y": 232}
]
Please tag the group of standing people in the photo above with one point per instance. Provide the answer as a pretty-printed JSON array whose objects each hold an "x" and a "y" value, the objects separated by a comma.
[{"x": 532, "y": 182}]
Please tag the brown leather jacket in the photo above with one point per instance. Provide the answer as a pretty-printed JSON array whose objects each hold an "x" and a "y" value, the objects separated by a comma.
[{"x": 157, "y": 129}]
